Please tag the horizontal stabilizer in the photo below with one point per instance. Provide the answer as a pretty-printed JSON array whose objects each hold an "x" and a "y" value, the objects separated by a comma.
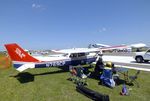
[{"x": 25, "y": 66}]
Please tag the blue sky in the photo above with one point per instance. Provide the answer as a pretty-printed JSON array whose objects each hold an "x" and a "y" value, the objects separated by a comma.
[{"x": 57, "y": 24}]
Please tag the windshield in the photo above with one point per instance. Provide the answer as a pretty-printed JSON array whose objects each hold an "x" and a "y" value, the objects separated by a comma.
[{"x": 148, "y": 50}]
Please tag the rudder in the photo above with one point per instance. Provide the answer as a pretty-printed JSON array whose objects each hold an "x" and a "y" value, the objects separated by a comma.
[{"x": 16, "y": 53}]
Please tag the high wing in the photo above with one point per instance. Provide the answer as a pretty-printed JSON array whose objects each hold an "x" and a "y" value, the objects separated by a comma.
[
  {"x": 104, "y": 47},
  {"x": 120, "y": 47},
  {"x": 80, "y": 50},
  {"x": 93, "y": 49}
]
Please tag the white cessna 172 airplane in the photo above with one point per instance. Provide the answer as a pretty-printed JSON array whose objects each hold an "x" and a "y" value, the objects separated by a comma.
[{"x": 22, "y": 60}]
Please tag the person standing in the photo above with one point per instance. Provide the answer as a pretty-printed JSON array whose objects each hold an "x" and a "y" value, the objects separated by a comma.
[{"x": 99, "y": 67}]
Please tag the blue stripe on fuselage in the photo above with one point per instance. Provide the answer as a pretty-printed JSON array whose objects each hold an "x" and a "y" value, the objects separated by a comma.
[
  {"x": 40, "y": 65},
  {"x": 66, "y": 63},
  {"x": 17, "y": 65},
  {"x": 83, "y": 61}
]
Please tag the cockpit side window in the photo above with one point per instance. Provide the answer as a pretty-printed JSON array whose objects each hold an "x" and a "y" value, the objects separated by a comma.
[
  {"x": 73, "y": 55},
  {"x": 81, "y": 54}
]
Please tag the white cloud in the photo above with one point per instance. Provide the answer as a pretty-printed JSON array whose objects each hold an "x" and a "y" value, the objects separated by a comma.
[
  {"x": 33, "y": 5},
  {"x": 38, "y": 6},
  {"x": 102, "y": 29}
]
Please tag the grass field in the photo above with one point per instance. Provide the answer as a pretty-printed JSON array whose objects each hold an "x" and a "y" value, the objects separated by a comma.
[{"x": 51, "y": 84}]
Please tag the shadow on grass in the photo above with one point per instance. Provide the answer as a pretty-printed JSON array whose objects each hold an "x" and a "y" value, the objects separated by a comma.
[{"x": 26, "y": 77}]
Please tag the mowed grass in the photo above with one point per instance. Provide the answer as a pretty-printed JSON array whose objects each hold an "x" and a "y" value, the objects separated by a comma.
[{"x": 51, "y": 84}]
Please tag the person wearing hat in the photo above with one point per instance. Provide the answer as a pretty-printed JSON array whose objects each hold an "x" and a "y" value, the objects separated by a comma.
[
  {"x": 114, "y": 71},
  {"x": 115, "y": 75}
]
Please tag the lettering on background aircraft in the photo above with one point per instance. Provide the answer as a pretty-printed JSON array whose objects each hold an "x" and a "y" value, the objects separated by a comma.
[{"x": 20, "y": 54}]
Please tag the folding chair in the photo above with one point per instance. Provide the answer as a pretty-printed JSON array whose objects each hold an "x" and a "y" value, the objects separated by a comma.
[
  {"x": 77, "y": 76},
  {"x": 82, "y": 77},
  {"x": 73, "y": 73},
  {"x": 133, "y": 78}
]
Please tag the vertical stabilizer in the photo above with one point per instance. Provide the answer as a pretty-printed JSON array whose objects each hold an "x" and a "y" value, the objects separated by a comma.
[{"x": 16, "y": 53}]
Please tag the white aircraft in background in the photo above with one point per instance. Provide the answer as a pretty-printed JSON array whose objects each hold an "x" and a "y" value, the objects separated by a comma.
[
  {"x": 104, "y": 47},
  {"x": 138, "y": 45},
  {"x": 22, "y": 60},
  {"x": 98, "y": 45}
]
